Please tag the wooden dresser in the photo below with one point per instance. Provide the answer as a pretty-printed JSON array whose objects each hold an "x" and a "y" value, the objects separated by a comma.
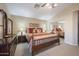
[{"x": 8, "y": 49}]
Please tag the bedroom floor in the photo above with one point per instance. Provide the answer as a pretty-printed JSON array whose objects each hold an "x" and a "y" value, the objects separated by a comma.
[
  {"x": 58, "y": 50},
  {"x": 22, "y": 50},
  {"x": 61, "y": 50}
]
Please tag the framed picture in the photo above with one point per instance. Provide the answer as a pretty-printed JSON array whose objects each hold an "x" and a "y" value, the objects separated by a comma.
[
  {"x": 9, "y": 27},
  {"x": 33, "y": 25}
]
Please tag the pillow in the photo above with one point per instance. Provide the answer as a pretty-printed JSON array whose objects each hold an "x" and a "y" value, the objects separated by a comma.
[
  {"x": 35, "y": 31},
  {"x": 38, "y": 31}
]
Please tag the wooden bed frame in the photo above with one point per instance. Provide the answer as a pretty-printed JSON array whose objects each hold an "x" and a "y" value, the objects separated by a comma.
[
  {"x": 39, "y": 47},
  {"x": 36, "y": 48}
]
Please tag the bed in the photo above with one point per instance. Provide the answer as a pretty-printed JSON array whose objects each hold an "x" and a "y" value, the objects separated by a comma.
[{"x": 38, "y": 41}]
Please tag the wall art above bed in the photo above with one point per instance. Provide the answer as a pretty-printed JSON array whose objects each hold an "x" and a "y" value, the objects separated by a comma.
[{"x": 33, "y": 25}]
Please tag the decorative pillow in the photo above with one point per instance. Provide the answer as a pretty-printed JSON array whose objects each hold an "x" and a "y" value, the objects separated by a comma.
[
  {"x": 35, "y": 31},
  {"x": 38, "y": 31}
]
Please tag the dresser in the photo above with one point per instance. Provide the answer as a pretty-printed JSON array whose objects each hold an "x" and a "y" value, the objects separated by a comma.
[{"x": 8, "y": 49}]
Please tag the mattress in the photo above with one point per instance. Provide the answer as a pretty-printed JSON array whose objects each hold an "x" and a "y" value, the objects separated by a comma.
[{"x": 43, "y": 36}]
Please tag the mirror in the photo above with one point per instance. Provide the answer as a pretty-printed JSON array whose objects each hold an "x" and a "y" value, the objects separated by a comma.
[
  {"x": 9, "y": 27},
  {"x": 3, "y": 25}
]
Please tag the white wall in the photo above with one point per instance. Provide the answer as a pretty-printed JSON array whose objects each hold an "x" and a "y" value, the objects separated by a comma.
[
  {"x": 23, "y": 22},
  {"x": 75, "y": 26},
  {"x": 3, "y": 6},
  {"x": 69, "y": 27}
]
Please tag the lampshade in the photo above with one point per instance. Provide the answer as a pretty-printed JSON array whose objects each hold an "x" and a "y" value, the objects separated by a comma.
[{"x": 21, "y": 29}]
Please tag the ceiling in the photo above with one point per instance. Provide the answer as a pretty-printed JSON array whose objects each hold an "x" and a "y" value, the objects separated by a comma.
[{"x": 28, "y": 10}]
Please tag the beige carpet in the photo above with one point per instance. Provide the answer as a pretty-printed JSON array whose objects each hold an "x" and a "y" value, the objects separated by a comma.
[
  {"x": 61, "y": 50},
  {"x": 22, "y": 50}
]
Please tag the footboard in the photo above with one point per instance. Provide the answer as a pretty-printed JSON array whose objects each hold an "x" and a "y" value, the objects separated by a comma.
[{"x": 38, "y": 45}]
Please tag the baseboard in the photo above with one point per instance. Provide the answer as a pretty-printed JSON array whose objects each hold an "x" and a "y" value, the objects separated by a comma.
[{"x": 71, "y": 43}]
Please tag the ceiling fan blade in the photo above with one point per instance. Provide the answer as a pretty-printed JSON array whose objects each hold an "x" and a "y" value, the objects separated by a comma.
[
  {"x": 36, "y": 6},
  {"x": 52, "y": 5},
  {"x": 43, "y": 4}
]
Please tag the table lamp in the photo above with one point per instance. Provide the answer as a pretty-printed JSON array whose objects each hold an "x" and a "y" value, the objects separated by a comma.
[{"x": 21, "y": 31}]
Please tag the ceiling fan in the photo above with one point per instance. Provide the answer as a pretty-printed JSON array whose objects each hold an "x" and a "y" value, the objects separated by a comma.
[{"x": 52, "y": 5}]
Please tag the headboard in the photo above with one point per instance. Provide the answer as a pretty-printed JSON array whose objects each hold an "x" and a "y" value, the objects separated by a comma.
[{"x": 30, "y": 30}]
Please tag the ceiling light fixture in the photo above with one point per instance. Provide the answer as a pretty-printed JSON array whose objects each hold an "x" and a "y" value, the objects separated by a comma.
[
  {"x": 55, "y": 4},
  {"x": 49, "y": 5}
]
